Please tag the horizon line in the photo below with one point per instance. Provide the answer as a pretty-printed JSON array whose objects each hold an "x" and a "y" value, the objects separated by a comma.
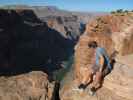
[{"x": 28, "y": 5}]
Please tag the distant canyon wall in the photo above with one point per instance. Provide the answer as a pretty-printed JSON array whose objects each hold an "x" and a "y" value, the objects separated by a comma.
[{"x": 28, "y": 41}]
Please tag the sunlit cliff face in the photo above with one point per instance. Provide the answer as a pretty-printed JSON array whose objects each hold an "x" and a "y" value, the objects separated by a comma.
[{"x": 116, "y": 27}]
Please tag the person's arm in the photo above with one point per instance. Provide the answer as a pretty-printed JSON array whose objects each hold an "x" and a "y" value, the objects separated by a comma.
[{"x": 101, "y": 62}]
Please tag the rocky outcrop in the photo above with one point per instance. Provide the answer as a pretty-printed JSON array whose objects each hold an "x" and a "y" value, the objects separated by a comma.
[
  {"x": 84, "y": 56},
  {"x": 30, "y": 86},
  {"x": 120, "y": 80},
  {"x": 28, "y": 44},
  {"x": 27, "y": 41},
  {"x": 29, "y": 50},
  {"x": 68, "y": 26},
  {"x": 117, "y": 85},
  {"x": 32, "y": 46},
  {"x": 119, "y": 29},
  {"x": 108, "y": 34}
]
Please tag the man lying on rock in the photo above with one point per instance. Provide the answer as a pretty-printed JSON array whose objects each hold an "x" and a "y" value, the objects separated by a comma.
[{"x": 98, "y": 70}]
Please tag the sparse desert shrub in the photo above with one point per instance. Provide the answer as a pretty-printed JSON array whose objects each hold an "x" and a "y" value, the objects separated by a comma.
[
  {"x": 113, "y": 12},
  {"x": 119, "y": 11},
  {"x": 126, "y": 11}
]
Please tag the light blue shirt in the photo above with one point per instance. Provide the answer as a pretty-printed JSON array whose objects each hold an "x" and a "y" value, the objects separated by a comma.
[{"x": 101, "y": 51}]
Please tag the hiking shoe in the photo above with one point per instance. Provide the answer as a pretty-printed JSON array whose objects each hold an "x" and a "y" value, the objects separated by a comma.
[
  {"x": 77, "y": 89},
  {"x": 81, "y": 86},
  {"x": 92, "y": 91}
]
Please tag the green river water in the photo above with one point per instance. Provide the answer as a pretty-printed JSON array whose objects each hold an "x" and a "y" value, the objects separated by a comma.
[{"x": 60, "y": 74}]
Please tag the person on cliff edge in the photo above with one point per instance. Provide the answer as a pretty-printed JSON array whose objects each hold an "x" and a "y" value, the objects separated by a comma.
[{"x": 99, "y": 69}]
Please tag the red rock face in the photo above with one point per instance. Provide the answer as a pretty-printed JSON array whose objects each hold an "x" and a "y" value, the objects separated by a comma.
[
  {"x": 84, "y": 56},
  {"x": 119, "y": 29},
  {"x": 110, "y": 32},
  {"x": 113, "y": 33},
  {"x": 106, "y": 24}
]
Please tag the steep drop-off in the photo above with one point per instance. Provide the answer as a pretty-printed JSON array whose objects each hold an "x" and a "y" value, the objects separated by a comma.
[
  {"x": 30, "y": 52},
  {"x": 26, "y": 41},
  {"x": 114, "y": 33}
]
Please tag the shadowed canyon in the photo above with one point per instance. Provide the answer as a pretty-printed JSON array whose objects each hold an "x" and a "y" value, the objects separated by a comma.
[{"x": 43, "y": 49}]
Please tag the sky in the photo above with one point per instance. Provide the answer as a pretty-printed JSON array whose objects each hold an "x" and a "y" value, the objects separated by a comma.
[{"x": 76, "y": 5}]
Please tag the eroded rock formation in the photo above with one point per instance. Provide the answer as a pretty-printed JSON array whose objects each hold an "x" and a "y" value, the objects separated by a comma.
[
  {"x": 117, "y": 85},
  {"x": 29, "y": 45},
  {"x": 31, "y": 86},
  {"x": 119, "y": 29},
  {"x": 68, "y": 26},
  {"x": 34, "y": 39},
  {"x": 27, "y": 41},
  {"x": 113, "y": 33}
]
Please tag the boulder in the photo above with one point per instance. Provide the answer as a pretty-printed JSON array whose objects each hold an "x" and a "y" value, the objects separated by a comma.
[
  {"x": 116, "y": 86},
  {"x": 30, "y": 86}
]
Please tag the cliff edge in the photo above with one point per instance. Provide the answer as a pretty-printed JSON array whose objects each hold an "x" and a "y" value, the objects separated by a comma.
[{"x": 113, "y": 32}]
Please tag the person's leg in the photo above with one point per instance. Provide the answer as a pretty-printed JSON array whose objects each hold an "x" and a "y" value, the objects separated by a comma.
[
  {"x": 105, "y": 72},
  {"x": 86, "y": 78},
  {"x": 99, "y": 76},
  {"x": 97, "y": 80},
  {"x": 96, "y": 83}
]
